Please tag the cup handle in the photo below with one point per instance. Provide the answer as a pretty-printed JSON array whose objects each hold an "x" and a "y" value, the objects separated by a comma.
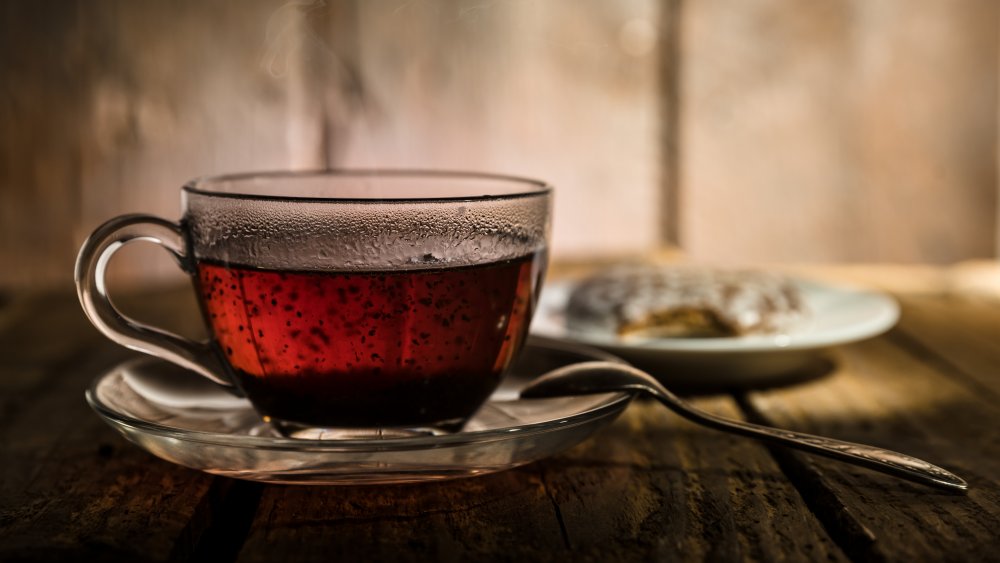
[{"x": 91, "y": 265}]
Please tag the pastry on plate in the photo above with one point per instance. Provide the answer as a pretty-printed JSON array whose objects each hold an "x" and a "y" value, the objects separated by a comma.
[{"x": 684, "y": 301}]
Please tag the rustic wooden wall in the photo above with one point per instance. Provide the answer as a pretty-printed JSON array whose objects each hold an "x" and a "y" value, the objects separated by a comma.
[
  {"x": 563, "y": 90},
  {"x": 838, "y": 130},
  {"x": 108, "y": 107},
  {"x": 765, "y": 130}
]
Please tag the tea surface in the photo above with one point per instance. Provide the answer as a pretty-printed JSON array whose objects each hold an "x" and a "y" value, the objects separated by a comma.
[{"x": 365, "y": 349}]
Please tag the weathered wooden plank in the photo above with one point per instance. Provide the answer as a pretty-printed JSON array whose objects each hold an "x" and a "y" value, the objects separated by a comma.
[
  {"x": 656, "y": 487},
  {"x": 648, "y": 487},
  {"x": 41, "y": 331},
  {"x": 887, "y": 395},
  {"x": 41, "y": 336},
  {"x": 70, "y": 487},
  {"x": 506, "y": 516},
  {"x": 964, "y": 333}
]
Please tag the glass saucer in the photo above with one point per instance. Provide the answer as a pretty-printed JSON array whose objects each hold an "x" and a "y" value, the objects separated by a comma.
[{"x": 184, "y": 419}]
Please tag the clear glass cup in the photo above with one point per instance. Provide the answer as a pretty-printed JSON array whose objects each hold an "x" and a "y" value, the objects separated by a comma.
[{"x": 368, "y": 301}]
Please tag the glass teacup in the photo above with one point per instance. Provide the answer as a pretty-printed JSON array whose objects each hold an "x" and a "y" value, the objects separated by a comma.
[{"x": 357, "y": 300}]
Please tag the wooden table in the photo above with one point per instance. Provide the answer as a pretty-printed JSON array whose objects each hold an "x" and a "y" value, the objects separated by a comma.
[{"x": 649, "y": 487}]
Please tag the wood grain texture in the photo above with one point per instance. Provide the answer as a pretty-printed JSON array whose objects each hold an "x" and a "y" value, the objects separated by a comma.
[
  {"x": 650, "y": 487},
  {"x": 70, "y": 487},
  {"x": 961, "y": 336},
  {"x": 502, "y": 517},
  {"x": 654, "y": 487},
  {"x": 890, "y": 395}
]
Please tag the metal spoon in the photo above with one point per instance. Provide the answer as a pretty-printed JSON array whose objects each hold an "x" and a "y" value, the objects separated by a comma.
[{"x": 603, "y": 377}]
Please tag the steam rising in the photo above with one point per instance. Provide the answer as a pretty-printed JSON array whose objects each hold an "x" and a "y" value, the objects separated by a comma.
[
  {"x": 285, "y": 32},
  {"x": 325, "y": 93}
]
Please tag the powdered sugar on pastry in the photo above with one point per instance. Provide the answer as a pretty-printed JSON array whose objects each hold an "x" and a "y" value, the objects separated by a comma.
[{"x": 684, "y": 301}]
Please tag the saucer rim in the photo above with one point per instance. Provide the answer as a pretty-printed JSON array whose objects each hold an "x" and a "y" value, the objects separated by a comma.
[{"x": 612, "y": 402}]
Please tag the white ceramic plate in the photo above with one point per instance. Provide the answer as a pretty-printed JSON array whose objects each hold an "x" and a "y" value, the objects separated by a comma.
[{"x": 836, "y": 315}]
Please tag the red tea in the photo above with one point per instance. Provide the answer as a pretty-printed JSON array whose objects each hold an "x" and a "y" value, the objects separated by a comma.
[{"x": 367, "y": 349}]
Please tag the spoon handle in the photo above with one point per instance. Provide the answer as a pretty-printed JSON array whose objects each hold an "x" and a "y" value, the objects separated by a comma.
[
  {"x": 878, "y": 459},
  {"x": 605, "y": 377}
]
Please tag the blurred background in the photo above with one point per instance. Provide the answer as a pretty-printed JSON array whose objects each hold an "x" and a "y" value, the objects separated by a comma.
[{"x": 749, "y": 131}]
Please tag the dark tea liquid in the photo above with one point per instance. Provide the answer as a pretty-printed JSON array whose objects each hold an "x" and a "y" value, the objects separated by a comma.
[{"x": 367, "y": 349}]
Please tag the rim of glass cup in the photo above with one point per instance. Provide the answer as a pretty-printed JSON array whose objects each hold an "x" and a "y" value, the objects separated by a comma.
[{"x": 532, "y": 187}]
